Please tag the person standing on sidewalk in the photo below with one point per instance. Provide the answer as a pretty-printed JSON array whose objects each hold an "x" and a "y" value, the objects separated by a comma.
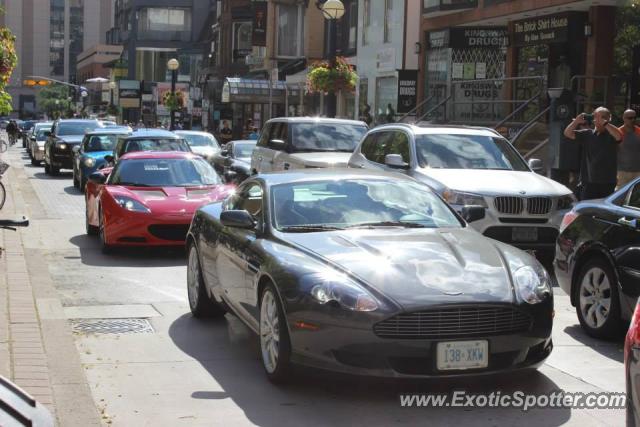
[
  {"x": 600, "y": 153},
  {"x": 629, "y": 153}
]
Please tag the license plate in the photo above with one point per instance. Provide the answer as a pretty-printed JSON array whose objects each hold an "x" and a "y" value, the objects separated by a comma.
[
  {"x": 462, "y": 355},
  {"x": 524, "y": 234}
]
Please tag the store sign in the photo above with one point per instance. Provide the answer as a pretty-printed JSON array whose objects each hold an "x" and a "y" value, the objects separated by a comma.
[
  {"x": 543, "y": 30},
  {"x": 129, "y": 93},
  {"x": 259, "y": 31},
  {"x": 407, "y": 90},
  {"x": 469, "y": 38},
  {"x": 386, "y": 59}
]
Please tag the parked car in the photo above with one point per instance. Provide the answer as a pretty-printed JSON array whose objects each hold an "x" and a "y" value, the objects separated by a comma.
[
  {"x": 149, "y": 198},
  {"x": 25, "y": 128},
  {"x": 305, "y": 142},
  {"x": 149, "y": 140},
  {"x": 366, "y": 272},
  {"x": 90, "y": 155},
  {"x": 64, "y": 135},
  {"x": 471, "y": 166},
  {"x": 234, "y": 161},
  {"x": 37, "y": 141},
  {"x": 32, "y": 147},
  {"x": 598, "y": 260},
  {"x": 632, "y": 369},
  {"x": 203, "y": 144}
]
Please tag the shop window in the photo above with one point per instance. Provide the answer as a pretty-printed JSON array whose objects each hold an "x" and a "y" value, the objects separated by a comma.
[
  {"x": 366, "y": 22},
  {"x": 386, "y": 95},
  {"x": 353, "y": 25},
  {"x": 388, "y": 21}
]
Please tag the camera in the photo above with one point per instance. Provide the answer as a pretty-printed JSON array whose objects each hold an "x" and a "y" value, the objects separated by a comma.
[{"x": 588, "y": 118}]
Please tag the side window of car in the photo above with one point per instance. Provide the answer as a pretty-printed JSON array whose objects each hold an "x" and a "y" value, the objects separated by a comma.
[
  {"x": 378, "y": 148},
  {"x": 248, "y": 198},
  {"x": 264, "y": 135},
  {"x": 368, "y": 148},
  {"x": 277, "y": 131},
  {"x": 398, "y": 143},
  {"x": 633, "y": 200}
]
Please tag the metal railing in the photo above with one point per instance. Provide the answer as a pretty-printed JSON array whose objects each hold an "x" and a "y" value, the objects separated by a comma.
[
  {"x": 527, "y": 125},
  {"x": 518, "y": 110},
  {"x": 435, "y": 108},
  {"x": 414, "y": 110}
]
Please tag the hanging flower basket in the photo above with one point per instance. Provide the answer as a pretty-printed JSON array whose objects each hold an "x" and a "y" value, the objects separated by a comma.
[
  {"x": 8, "y": 61},
  {"x": 323, "y": 78},
  {"x": 173, "y": 101}
]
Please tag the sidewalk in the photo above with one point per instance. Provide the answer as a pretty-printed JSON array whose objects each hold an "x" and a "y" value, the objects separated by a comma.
[{"x": 37, "y": 350}]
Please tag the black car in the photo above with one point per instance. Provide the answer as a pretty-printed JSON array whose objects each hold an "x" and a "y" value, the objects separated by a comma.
[
  {"x": 234, "y": 161},
  {"x": 25, "y": 127},
  {"x": 369, "y": 273},
  {"x": 598, "y": 260},
  {"x": 149, "y": 140},
  {"x": 64, "y": 135}
]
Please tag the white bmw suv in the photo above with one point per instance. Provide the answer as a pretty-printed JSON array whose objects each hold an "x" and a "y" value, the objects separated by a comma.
[{"x": 470, "y": 166}]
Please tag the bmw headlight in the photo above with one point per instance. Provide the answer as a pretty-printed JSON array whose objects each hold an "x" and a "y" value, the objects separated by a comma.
[
  {"x": 341, "y": 290},
  {"x": 62, "y": 146},
  {"x": 131, "y": 204},
  {"x": 464, "y": 199},
  {"x": 532, "y": 283},
  {"x": 89, "y": 162},
  {"x": 566, "y": 202}
]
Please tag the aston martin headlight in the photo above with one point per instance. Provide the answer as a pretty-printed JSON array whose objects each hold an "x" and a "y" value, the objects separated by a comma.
[
  {"x": 532, "y": 283},
  {"x": 464, "y": 199},
  {"x": 131, "y": 204},
  {"x": 566, "y": 202},
  {"x": 343, "y": 291},
  {"x": 89, "y": 162}
]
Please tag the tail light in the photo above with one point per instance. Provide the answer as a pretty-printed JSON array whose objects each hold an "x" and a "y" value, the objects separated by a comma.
[
  {"x": 568, "y": 218},
  {"x": 633, "y": 334}
]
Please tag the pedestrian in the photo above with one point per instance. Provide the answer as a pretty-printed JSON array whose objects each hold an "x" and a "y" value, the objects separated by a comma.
[
  {"x": 629, "y": 153},
  {"x": 254, "y": 135},
  {"x": 600, "y": 153},
  {"x": 391, "y": 114},
  {"x": 366, "y": 115},
  {"x": 226, "y": 134}
]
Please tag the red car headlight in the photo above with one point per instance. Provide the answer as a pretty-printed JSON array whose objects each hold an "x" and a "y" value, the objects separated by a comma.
[{"x": 131, "y": 205}]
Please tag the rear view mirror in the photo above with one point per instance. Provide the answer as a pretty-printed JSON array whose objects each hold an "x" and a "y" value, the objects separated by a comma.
[
  {"x": 472, "y": 213},
  {"x": 395, "y": 161},
  {"x": 237, "y": 219},
  {"x": 536, "y": 165}
]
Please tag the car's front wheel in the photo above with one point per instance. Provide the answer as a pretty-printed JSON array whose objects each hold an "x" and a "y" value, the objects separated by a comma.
[
  {"x": 598, "y": 303},
  {"x": 199, "y": 302},
  {"x": 275, "y": 345},
  {"x": 102, "y": 234}
]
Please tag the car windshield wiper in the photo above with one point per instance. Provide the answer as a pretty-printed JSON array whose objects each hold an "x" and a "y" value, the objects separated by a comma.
[
  {"x": 136, "y": 184},
  {"x": 308, "y": 228},
  {"x": 387, "y": 224}
]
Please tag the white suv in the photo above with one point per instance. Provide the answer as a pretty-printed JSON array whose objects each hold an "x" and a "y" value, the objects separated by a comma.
[
  {"x": 305, "y": 142},
  {"x": 471, "y": 166}
]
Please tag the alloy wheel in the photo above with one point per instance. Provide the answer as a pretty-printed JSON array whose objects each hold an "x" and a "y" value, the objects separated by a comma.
[
  {"x": 595, "y": 297},
  {"x": 193, "y": 277},
  {"x": 269, "y": 332}
]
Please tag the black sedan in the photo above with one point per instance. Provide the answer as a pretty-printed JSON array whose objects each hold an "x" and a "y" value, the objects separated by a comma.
[
  {"x": 369, "y": 273},
  {"x": 234, "y": 161},
  {"x": 64, "y": 135},
  {"x": 598, "y": 260}
]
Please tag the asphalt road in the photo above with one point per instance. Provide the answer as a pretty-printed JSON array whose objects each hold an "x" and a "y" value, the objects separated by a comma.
[{"x": 178, "y": 371}]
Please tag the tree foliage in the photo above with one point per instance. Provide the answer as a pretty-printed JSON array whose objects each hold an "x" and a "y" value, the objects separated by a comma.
[
  {"x": 53, "y": 100},
  {"x": 8, "y": 62},
  {"x": 627, "y": 36}
]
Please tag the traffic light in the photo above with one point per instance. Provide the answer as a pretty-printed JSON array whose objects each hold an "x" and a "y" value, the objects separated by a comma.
[{"x": 32, "y": 83}]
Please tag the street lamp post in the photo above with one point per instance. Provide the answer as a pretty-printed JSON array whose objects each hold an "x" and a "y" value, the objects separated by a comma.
[
  {"x": 173, "y": 65},
  {"x": 112, "y": 86},
  {"x": 332, "y": 10}
]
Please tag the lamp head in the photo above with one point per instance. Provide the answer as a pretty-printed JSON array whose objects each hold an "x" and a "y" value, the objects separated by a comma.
[{"x": 173, "y": 64}]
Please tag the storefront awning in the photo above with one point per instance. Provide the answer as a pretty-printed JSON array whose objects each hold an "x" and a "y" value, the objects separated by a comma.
[{"x": 253, "y": 91}]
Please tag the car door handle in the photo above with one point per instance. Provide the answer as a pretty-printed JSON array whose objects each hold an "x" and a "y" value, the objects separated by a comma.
[{"x": 631, "y": 223}]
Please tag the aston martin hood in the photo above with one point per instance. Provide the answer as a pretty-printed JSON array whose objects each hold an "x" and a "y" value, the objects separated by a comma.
[{"x": 419, "y": 267}]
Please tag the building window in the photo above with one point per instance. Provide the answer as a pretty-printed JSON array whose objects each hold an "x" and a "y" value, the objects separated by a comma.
[
  {"x": 388, "y": 20},
  {"x": 386, "y": 96},
  {"x": 76, "y": 35},
  {"x": 353, "y": 25},
  {"x": 241, "y": 41},
  {"x": 56, "y": 33},
  {"x": 366, "y": 22},
  {"x": 290, "y": 30},
  {"x": 174, "y": 22}
]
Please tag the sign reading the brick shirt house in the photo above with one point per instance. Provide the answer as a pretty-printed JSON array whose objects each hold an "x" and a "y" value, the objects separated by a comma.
[
  {"x": 542, "y": 30},
  {"x": 259, "y": 31},
  {"x": 407, "y": 90}
]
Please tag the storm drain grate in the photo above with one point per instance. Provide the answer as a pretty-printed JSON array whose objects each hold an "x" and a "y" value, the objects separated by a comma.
[{"x": 112, "y": 326}]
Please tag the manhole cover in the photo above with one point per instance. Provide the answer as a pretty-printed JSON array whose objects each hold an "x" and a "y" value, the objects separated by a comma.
[{"x": 112, "y": 326}]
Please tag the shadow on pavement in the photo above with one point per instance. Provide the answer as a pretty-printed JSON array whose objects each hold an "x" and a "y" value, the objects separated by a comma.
[
  {"x": 72, "y": 190},
  {"x": 60, "y": 175},
  {"x": 614, "y": 349},
  {"x": 91, "y": 254},
  {"x": 230, "y": 354}
]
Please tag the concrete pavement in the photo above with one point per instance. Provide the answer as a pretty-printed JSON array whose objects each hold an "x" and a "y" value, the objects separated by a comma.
[{"x": 176, "y": 370}]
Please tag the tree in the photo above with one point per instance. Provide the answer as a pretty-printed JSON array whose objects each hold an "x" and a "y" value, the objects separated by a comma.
[
  {"x": 627, "y": 36},
  {"x": 53, "y": 100},
  {"x": 8, "y": 61}
]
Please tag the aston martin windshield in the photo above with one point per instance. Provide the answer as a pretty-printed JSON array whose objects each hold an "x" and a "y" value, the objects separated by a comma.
[
  {"x": 467, "y": 152},
  {"x": 164, "y": 173},
  {"x": 326, "y": 136},
  {"x": 322, "y": 205}
]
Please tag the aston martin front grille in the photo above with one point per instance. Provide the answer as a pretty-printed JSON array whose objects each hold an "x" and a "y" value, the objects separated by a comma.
[{"x": 455, "y": 322}]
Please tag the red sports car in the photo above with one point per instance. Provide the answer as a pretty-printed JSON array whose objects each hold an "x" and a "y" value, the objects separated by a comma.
[{"x": 149, "y": 198}]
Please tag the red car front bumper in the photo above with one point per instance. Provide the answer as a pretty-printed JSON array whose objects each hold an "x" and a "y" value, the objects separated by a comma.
[{"x": 146, "y": 229}]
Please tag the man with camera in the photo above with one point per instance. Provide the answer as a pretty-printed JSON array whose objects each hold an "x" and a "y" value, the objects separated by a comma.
[{"x": 600, "y": 153}]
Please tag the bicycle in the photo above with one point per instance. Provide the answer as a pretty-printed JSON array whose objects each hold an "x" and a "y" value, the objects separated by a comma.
[
  {"x": 3, "y": 192},
  {"x": 11, "y": 224},
  {"x": 13, "y": 138}
]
